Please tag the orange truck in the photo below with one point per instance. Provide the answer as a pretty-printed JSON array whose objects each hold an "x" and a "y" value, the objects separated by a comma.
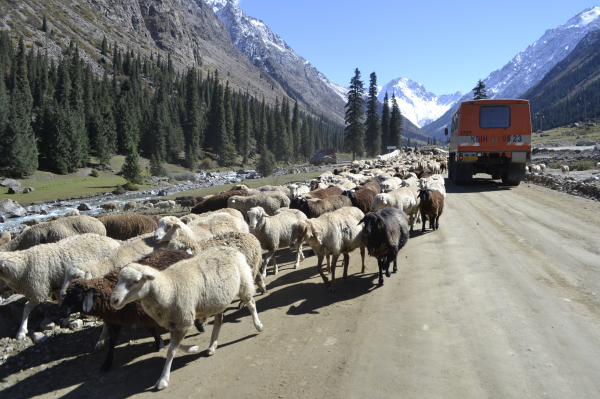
[{"x": 490, "y": 136}]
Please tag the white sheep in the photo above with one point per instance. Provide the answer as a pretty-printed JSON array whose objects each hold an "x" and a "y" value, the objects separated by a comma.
[
  {"x": 39, "y": 271},
  {"x": 564, "y": 169},
  {"x": 402, "y": 198},
  {"x": 166, "y": 205},
  {"x": 297, "y": 190},
  {"x": 72, "y": 212},
  {"x": 274, "y": 233},
  {"x": 170, "y": 227},
  {"x": 220, "y": 223},
  {"x": 199, "y": 287},
  {"x": 334, "y": 233},
  {"x": 109, "y": 207},
  {"x": 270, "y": 203},
  {"x": 130, "y": 206}
]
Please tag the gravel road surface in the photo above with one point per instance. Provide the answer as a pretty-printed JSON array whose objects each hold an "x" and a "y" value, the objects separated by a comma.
[{"x": 500, "y": 302}]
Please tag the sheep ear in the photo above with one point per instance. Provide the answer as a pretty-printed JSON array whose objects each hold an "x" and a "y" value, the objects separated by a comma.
[
  {"x": 148, "y": 276},
  {"x": 189, "y": 251},
  {"x": 88, "y": 301},
  {"x": 361, "y": 221},
  {"x": 88, "y": 276}
]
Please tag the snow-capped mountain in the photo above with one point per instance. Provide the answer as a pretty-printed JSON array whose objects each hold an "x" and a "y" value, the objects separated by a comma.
[
  {"x": 415, "y": 102},
  {"x": 269, "y": 52},
  {"x": 529, "y": 66}
]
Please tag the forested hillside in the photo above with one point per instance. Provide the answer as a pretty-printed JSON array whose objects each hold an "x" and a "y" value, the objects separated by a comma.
[
  {"x": 571, "y": 90},
  {"x": 56, "y": 115}
]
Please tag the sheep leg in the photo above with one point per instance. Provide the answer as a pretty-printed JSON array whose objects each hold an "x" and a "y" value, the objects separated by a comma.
[
  {"x": 113, "y": 333},
  {"x": 176, "y": 338},
  {"x": 260, "y": 282},
  {"x": 395, "y": 263},
  {"x": 249, "y": 301},
  {"x": 346, "y": 263},
  {"x": 215, "y": 334},
  {"x": 101, "y": 344},
  {"x": 329, "y": 264},
  {"x": 266, "y": 262},
  {"x": 159, "y": 344},
  {"x": 28, "y": 308},
  {"x": 380, "y": 264},
  {"x": 334, "y": 259},
  {"x": 276, "y": 269},
  {"x": 199, "y": 323},
  {"x": 362, "y": 255},
  {"x": 299, "y": 256},
  {"x": 437, "y": 222},
  {"x": 320, "y": 269},
  {"x": 424, "y": 222}
]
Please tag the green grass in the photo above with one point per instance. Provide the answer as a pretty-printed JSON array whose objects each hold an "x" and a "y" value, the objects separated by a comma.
[{"x": 567, "y": 134}]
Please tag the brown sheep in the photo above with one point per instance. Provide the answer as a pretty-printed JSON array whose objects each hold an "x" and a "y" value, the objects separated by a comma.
[
  {"x": 313, "y": 208},
  {"x": 322, "y": 193},
  {"x": 432, "y": 206},
  {"x": 217, "y": 202},
  {"x": 362, "y": 199},
  {"x": 372, "y": 185},
  {"x": 187, "y": 203},
  {"x": 93, "y": 297},
  {"x": 124, "y": 227}
]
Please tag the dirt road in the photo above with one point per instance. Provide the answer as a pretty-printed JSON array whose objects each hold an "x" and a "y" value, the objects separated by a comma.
[{"x": 501, "y": 302}]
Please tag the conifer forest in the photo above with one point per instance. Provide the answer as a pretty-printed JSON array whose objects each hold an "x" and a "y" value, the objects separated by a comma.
[{"x": 57, "y": 114}]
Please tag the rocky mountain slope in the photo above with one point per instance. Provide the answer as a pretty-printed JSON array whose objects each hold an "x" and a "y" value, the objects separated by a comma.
[
  {"x": 187, "y": 29},
  {"x": 417, "y": 104},
  {"x": 531, "y": 65},
  {"x": 271, "y": 54}
]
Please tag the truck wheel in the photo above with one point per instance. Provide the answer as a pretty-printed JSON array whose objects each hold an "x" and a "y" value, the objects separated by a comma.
[{"x": 512, "y": 183}]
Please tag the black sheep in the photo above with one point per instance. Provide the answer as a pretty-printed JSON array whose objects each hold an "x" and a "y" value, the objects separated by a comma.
[
  {"x": 387, "y": 233},
  {"x": 216, "y": 202},
  {"x": 431, "y": 207},
  {"x": 93, "y": 298}
]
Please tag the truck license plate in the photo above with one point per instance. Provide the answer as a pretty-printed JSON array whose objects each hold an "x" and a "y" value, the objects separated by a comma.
[{"x": 470, "y": 158}]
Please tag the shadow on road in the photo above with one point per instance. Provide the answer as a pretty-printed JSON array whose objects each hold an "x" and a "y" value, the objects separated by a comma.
[{"x": 477, "y": 185}]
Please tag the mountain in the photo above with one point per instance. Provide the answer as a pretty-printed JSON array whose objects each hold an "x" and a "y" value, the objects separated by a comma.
[
  {"x": 272, "y": 55},
  {"x": 187, "y": 30},
  {"x": 417, "y": 104},
  {"x": 560, "y": 96},
  {"x": 531, "y": 65}
]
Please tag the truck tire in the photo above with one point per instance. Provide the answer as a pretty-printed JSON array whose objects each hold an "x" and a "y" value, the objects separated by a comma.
[{"x": 512, "y": 183}]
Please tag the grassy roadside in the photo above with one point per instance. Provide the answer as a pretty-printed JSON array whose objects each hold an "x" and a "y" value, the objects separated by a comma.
[{"x": 566, "y": 134}]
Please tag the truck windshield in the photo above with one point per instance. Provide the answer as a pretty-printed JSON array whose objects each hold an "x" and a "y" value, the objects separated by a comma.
[{"x": 494, "y": 117}]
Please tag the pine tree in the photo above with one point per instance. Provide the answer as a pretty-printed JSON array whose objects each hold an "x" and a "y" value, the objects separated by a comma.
[
  {"x": 104, "y": 46},
  {"x": 281, "y": 138},
  {"x": 193, "y": 128},
  {"x": 20, "y": 147},
  {"x": 4, "y": 109},
  {"x": 62, "y": 92},
  {"x": 296, "y": 145},
  {"x": 479, "y": 91},
  {"x": 395, "y": 135},
  {"x": 216, "y": 117},
  {"x": 156, "y": 167},
  {"x": 372, "y": 124},
  {"x": 132, "y": 170},
  {"x": 227, "y": 151},
  {"x": 408, "y": 142},
  {"x": 245, "y": 138},
  {"x": 355, "y": 130},
  {"x": 238, "y": 126},
  {"x": 44, "y": 25},
  {"x": 385, "y": 124},
  {"x": 267, "y": 162}
]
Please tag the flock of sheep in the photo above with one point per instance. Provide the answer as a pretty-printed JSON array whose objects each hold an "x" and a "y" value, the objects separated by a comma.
[{"x": 133, "y": 269}]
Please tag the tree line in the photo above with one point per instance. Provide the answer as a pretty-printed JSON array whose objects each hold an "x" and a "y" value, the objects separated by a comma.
[
  {"x": 56, "y": 115},
  {"x": 371, "y": 134}
]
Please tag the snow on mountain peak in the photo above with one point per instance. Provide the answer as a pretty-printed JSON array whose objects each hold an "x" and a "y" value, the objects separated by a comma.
[
  {"x": 584, "y": 18},
  {"x": 416, "y": 103}
]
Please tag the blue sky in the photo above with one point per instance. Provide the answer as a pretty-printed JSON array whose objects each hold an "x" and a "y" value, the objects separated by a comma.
[{"x": 444, "y": 45}]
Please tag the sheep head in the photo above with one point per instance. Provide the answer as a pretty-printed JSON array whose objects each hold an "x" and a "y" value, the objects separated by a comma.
[
  {"x": 72, "y": 273},
  {"x": 256, "y": 217},
  {"x": 301, "y": 231},
  {"x": 369, "y": 222},
  {"x": 76, "y": 300},
  {"x": 132, "y": 284},
  {"x": 167, "y": 229}
]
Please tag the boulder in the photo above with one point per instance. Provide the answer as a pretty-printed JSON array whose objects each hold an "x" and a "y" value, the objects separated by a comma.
[
  {"x": 84, "y": 207},
  {"x": 10, "y": 183},
  {"x": 27, "y": 190},
  {"x": 13, "y": 190},
  {"x": 10, "y": 209}
]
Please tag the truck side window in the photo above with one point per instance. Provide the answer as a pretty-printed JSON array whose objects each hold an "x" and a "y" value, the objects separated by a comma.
[{"x": 494, "y": 117}]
